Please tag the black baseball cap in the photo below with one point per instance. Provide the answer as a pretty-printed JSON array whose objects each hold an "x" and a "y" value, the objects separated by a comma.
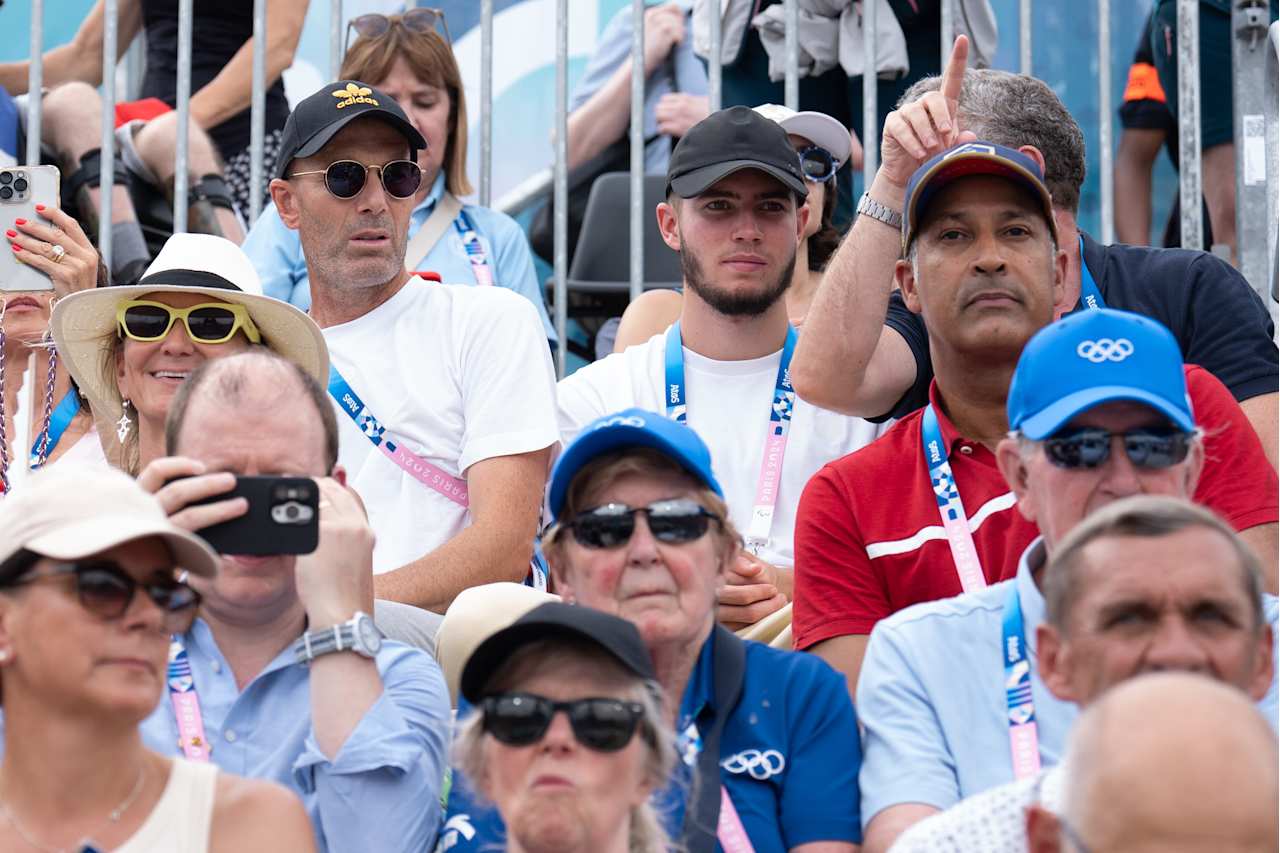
[
  {"x": 318, "y": 118},
  {"x": 728, "y": 141},
  {"x": 585, "y": 625}
]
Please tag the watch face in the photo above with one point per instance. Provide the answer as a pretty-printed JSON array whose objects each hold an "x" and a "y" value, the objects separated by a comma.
[{"x": 370, "y": 636}]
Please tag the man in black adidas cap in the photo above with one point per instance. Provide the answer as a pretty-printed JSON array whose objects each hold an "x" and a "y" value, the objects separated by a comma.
[
  {"x": 734, "y": 212},
  {"x": 444, "y": 395}
]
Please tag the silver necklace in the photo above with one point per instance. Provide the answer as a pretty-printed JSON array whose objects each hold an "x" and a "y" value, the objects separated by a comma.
[{"x": 87, "y": 843}]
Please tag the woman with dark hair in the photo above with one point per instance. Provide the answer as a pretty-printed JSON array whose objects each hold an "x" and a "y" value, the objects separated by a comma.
[
  {"x": 407, "y": 58},
  {"x": 823, "y": 146}
]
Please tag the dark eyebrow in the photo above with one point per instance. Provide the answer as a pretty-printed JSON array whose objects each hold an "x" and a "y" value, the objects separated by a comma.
[{"x": 771, "y": 194}]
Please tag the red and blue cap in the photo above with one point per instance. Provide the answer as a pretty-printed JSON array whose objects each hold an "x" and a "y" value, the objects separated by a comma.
[
  {"x": 631, "y": 428},
  {"x": 964, "y": 161},
  {"x": 1093, "y": 357}
]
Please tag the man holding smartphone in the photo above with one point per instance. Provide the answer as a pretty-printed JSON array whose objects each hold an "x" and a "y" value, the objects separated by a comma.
[{"x": 284, "y": 676}]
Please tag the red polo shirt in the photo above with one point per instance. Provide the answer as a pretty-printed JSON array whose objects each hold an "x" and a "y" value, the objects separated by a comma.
[{"x": 869, "y": 540}]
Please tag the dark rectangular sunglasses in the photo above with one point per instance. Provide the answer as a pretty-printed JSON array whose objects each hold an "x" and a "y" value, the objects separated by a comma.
[
  {"x": 522, "y": 719},
  {"x": 106, "y": 590},
  {"x": 1089, "y": 447},
  {"x": 673, "y": 522},
  {"x": 346, "y": 178}
]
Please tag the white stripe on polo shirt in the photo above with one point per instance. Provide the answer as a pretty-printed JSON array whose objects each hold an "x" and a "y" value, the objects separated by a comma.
[{"x": 925, "y": 534}]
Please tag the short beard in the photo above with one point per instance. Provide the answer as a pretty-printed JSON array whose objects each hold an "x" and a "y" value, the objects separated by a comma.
[{"x": 728, "y": 302}]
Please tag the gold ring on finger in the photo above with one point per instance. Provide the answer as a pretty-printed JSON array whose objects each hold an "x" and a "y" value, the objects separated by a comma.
[{"x": 57, "y": 253}]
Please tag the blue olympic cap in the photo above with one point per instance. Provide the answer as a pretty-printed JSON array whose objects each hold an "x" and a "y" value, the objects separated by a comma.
[
  {"x": 1092, "y": 357},
  {"x": 964, "y": 161},
  {"x": 626, "y": 429}
]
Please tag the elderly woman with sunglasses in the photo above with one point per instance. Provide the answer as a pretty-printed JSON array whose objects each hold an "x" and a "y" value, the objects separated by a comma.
[
  {"x": 768, "y": 739},
  {"x": 407, "y": 58},
  {"x": 89, "y": 594},
  {"x": 129, "y": 348},
  {"x": 568, "y": 738},
  {"x": 824, "y": 146}
]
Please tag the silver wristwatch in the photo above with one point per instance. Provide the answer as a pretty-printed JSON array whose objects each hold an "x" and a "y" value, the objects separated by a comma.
[
  {"x": 868, "y": 206},
  {"x": 359, "y": 635}
]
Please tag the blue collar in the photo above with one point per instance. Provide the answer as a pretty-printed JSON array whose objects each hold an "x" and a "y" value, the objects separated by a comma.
[
  {"x": 1029, "y": 595},
  {"x": 200, "y": 637},
  {"x": 428, "y": 204},
  {"x": 700, "y": 693}
]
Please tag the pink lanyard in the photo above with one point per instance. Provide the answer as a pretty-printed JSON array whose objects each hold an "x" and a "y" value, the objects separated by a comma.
[
  {"x": 729, "y": 829},
  {"x": 186, "y": 704}
]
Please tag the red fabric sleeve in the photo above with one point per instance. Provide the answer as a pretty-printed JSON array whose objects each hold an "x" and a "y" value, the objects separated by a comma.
[
  {"x": 1238, "y": 483},
  {"x": 837, "y": 590}
]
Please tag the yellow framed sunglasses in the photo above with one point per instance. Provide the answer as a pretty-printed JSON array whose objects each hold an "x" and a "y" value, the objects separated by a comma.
[{"x": 206, "y": 323}]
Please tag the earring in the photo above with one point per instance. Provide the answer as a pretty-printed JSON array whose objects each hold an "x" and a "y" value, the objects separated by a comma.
[
  {"x": 4, "y": 655},
  {"x": 122, "y": 425}
]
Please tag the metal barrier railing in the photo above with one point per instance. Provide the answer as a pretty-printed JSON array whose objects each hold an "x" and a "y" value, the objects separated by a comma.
[
  {"x": 1271, "y": 113},
  {"x": 1255, "y": 60}
]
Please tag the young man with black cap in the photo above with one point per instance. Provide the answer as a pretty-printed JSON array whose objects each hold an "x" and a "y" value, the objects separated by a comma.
[
  {"x": 733, "y": 212},
  {"x": 444, "y": 393}
]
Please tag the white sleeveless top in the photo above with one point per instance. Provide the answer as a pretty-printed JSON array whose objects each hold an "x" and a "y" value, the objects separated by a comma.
[{"x": 183, "y": 816}]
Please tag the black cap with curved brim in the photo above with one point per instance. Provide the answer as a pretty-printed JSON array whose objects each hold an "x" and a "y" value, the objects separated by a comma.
[
  {"x": 555, "y": 619},
  {"x": 319, "y": 117},
  {"x": 729, "y": 141}
]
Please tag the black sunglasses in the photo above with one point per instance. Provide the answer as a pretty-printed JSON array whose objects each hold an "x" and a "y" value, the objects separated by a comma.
[
  {"x": 817, "y": 163},
  {"x": 419, "y": 20},
  {"x": 345, "y": 178},
  {"x": 673, "y": 522},
  {"x": 521, "y": 719},
  {"x": 1089, "y": 447},
  {"x": 106, "y": 590}
]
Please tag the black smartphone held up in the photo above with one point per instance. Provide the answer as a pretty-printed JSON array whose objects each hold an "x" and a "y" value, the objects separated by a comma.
[{"x": 283, "y": 518}]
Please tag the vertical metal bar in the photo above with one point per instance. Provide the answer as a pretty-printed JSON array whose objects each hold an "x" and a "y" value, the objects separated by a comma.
[
  {"x": 1249, "y": 48},
  {"x": 560, "y": 225},
  {"x": 1024, "y": 37},
  {"x": 486, "y": 102},
  {"x": 335, "y": 38},
  {"x": 135, "y": 66},
  {"x": 258, "y": 109},
  {"x": 791, "y": 88},
  {"x": 870, "y": 108},
  {"x": 35, "y": 82},
  {"x": 106, "y": 174},
  {"x": 637, "y": 148},
  {"x": 184, "y": 117},
  {"x": 713, "y": 64},
  {"x": 1104, "y": 122},
  {"x": 1189, "y": 182},
  {"x": 1271, "y": 113},
  {"x": 948, "y": 32}
]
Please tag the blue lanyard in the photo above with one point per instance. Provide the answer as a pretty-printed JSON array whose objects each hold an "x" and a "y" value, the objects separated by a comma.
[
  {"x": 780, "y": 411},
  {"x": 59, "y": 420},
  {"x": 474, "y": 248},
  {"x": 355, "y": 408},
  {"x": 955, "y": 522},
  {"x": 1024, "y": 741},
  {"x": 1090, "y": 295}
]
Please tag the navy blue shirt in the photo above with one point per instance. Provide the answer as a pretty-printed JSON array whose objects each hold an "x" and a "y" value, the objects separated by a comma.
[
  {"x": 1218, "y": 319},
  {"x": 789, "y": 751}
]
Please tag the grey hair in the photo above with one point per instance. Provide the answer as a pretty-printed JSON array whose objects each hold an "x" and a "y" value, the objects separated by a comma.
[
  {"x": 1146, "y": 516},
  {"x": 1015, "y": 110},
  {"x": 470, "y": 747}
]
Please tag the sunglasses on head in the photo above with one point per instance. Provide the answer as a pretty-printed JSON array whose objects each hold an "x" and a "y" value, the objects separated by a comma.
[
  {"x": 672, "y": 522},
  {"x": 817, "y": 164},
  {"x": 1089, "y": 447},
  {"x": 206, "y": 323},
  {"x": 346, "y": 178},
  {"x": 521, "y": 719},
  {"x": 106, "y": 590},
  {"x": 419, "y": 20}
]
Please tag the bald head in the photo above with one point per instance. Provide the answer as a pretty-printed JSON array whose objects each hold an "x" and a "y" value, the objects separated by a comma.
[{"x": 1172, "y": 762}]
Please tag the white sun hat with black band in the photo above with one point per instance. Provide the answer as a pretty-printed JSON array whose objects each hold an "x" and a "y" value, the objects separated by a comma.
[{"x": 85, "y": 328}]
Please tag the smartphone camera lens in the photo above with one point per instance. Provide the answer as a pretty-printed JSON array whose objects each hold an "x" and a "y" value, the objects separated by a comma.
[
  {"x": 20, "y": 185},
  {"x": 6, "y": 178},
  {"x": 6, "y": 193}
]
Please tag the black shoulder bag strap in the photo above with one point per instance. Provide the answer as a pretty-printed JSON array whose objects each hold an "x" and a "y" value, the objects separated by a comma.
[{"x": 702, "y": 810}]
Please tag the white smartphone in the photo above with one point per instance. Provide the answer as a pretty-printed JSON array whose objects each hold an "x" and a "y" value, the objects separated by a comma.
[{"x": 21, "y": 189}]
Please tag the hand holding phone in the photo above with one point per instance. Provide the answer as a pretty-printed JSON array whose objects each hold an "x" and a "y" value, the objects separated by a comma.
[
  {"x": 21, "y": 189},
  {"x": 336, "y": 579}
]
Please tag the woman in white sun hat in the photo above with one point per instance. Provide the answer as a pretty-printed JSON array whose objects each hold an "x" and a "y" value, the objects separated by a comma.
[
  {"x": 129, "y": 348},
  {"x": 823, "y": 145}
]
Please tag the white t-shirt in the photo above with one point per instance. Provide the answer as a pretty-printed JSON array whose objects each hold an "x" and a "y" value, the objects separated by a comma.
[
  {"x": 728, "y": 404},
  {"x": 455, "y": 374}
]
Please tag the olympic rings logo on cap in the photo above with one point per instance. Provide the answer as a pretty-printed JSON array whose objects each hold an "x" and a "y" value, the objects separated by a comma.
[
  {"x": 760, "y": 765},
  {"x": 630, "y": 420},
  {"x": 1105, "y": 349}
]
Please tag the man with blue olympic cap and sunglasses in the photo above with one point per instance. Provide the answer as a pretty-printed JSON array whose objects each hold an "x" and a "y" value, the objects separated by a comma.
[{"x": 1098, "y": 410}]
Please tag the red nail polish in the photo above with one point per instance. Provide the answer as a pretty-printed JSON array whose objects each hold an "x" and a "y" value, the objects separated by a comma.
[
  {"x": 19, "y": 222},
  {"x": 39, "y": 207},
  {"x": 16, "y": 247},
  {"x": 11, "y": 233}
]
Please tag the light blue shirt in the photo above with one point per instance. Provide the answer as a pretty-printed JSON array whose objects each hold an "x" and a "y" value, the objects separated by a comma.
[
  {"x": 276, "y": 253},
  {"x": 931, "y": 697},
  {"x": 682, "y": 72},
  {"x": 382, "y": 790}
]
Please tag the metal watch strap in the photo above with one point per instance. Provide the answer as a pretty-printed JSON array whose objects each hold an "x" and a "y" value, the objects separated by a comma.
[{"x": 868, "y": 206}]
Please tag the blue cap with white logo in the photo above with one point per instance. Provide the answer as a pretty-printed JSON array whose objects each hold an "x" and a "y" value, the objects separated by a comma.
[
  {"x": 628, "y": 429},
  {"x": 1093, "y": 357}
]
